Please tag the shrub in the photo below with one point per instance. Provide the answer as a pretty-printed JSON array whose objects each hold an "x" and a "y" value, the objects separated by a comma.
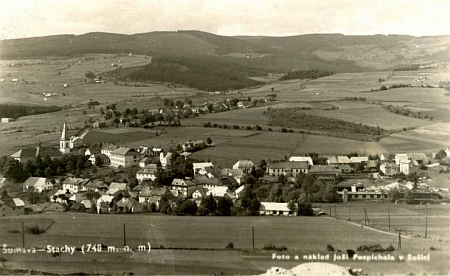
[
  {"x": 230, "y": 245},
  {"x": 284, "y": 130},
  {"x": 35, "y": 230},
  {"x": 274, "y": 247},
  {"x": 330, "y": 247}
]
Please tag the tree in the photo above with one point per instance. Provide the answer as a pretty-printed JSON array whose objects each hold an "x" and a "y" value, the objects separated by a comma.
[
  {"x": 169, "y": 118},
  {"x": 187, "y": 208},
  {"x": 250, "y": 201},
  {"x": 441, "y": 154},
  {"x": 90, "y": 75},
  {"x": 208, "y": 205},
  {"x": 224, "y": 205},
  {"x": 164, "y": 205},
  {"x": 209, "y": 141}
]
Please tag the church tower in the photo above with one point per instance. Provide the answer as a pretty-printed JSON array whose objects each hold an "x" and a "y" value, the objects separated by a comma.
[{"x": 64, "y": 146}]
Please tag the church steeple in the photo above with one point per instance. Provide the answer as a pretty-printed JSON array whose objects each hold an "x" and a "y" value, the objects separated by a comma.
[{"x": 64, "y": 146}]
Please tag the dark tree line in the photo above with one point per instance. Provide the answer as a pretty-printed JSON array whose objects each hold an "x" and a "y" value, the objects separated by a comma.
[
  {"x": 17, "y": 110},
  {"x": 307, "y": 74}
]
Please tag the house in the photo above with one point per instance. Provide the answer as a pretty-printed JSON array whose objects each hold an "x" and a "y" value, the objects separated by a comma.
[
  {"x": 165, "y": 160},
  {"x": 115, "y": 187},
  {"x": 92, "y": 150},
  {"x": 108, "y": 149},
  {"x": 4, "y": 182},
  {"x": 11, "y": 207},
  {"x": 74, "y": 185},
  {"x": 125, "y": 157},
  {"x": 275, "y": 209},
  {"x": 221, "y": 191},
  {"x": 31, "y": 153},
  {"x": 239, "y": 191},
  {"x": 324, "y": 172},
  {"x": 126, "y": 205},
  {"x": 408, "y": 166},
  {"x": 206, "y": 182},
  {"x": 287, "y": 168},
  {"x": 37, "y": 184},
  {"x": 342, "y": 160},
  {"x": 359, "y": 159},
  {"x": 184, "y": 187},
  {"x": 390, "y": 169},
  {"x": 7, "y": 120},
  {"x": 99, "y": 159},
  {"x": 364, "y": 195},
  {"x": 155, "y": 195},
  {"x": 418, "y": 157},
  {"x": 99, "y": 123},
  {"x": 96, "y": 185},
  {"x": 149, "y": 172},
  {"x": 200, "y": 168},
  {"x": 301, "y": 159},
  {"x": 198, "y": 194},
  {"x": 345, "y": 168},
  {"x": 332, "y": 160},
  {"x": 76, "y": 142},
  {"x": 245, "y": 165},
  {"x": 237, "y": 174},
  {"x": 193, "y": 145}
]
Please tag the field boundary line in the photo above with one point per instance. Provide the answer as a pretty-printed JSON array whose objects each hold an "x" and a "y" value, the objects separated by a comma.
[{"x": 371, "y": 228}]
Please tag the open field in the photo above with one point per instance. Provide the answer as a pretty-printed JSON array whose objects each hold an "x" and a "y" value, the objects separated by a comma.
[{"x": 299, "y": 234}]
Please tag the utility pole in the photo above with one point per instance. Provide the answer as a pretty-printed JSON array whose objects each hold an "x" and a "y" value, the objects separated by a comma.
[
  {"x": 124, "y": 236},
  {"x": 426, "y": 221},
  {"x": 335, "y": 213},
  {"x": 389, "y": 219},
  {"x": 366, "y": 217},
  {"x": 23, "y": 236},
  {"x": 349, "y": 212},
  {"x": 399, "y": 239},
  {"x": 253, "y": 238}
]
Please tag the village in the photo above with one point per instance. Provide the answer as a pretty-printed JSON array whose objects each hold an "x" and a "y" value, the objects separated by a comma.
[{"x": 109, "y": 178}]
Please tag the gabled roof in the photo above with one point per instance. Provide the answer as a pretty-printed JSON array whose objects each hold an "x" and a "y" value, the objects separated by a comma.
[
  {"x": 238, "y": 173},
  {"x": 18, "y": 202},
  {"x": 301, "y": 159},
  {"x": 201, "y": 179},
  {"x": 221, "y": 191},
  {"x": 116, "y": 186},
  {"x": 288, "y": 165},
  {"x": 332, "y": 160},
  {"x": 124, "y": 151},
  {"x": 274, "y": 206},
  {"x": 344, "y": 160},
  {"x": 183, "y": 182},
  {"x": 110, "y": 148},
  {"x": 158, "y": 191},
  {"x": 359, "y": 159},
  {"x": 145, "y": 192},
  {"x": 35, "y": 182},
  {"x": 202, "y": 165},
  {"x": 33, "y": 152},
  {"x": 76, "y": 181},
  {"x": 244, "y": 164},
  {"x": 323, "y": 169},
  {"x": 96, "y": 183}
]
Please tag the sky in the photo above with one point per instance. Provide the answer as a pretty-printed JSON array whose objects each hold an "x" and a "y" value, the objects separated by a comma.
[{"x": 30, "y": 18}]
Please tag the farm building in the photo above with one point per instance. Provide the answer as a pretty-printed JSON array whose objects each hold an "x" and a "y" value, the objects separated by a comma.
[
  {"x": 31, "y": 153},
  {"x": 245, "y": 165},
  {"x": 275, "y": 209},
  {"x": 37, "y": 184},
  {"x": 11, "y": 207},
  {"x": 301, "y": 159},
  {"x": 287, "y": 168},
  {"x": 324, "y": 172},
  {"x": 193, "y": 145},
  {"x": 418, "y": 157},
  {"x": 7, "y": 120}
]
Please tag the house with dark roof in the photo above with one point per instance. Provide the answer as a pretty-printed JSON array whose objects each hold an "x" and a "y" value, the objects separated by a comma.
[
  {"x": 31, "y": 153},
  {"x": 11, "y": 207},
  {"x": 206, "y": 182},
  {"x": 184, "y": 187},
  {"x": 74, "y": 185},
  {"x": 287, "y": 168},
  {"x": 96, "y": 185},
  {"x": 324, "y": 172},
  {"x": 154, "y": 195}
]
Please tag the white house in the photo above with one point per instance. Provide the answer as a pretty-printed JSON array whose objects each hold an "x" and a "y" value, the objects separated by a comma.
[
  {"x": 276, "y": 209},
  {"x": 74, "y": 185},
  {"x": 221, "y": 191},
  {"x": 301, "y": 159},
  {"x": 125, "y": 157},
  {"x": 244, "y": 165},
  {"x": 407, "y": 167},
  {"x": 108, "y": 149},
  {"x": 165, "y": 159},
  {"x": 147, "y": 173},
  {"x": 287, "y": 168},
  {"x": 199, "y": 168},
  {"x": 37, "y": 184}
]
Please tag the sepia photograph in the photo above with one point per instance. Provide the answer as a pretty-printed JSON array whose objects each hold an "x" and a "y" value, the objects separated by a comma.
[{"x": 251, "y": 137}]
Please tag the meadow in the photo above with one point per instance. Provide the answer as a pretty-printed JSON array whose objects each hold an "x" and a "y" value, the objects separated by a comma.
[{"x": 209, "y": 235}]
